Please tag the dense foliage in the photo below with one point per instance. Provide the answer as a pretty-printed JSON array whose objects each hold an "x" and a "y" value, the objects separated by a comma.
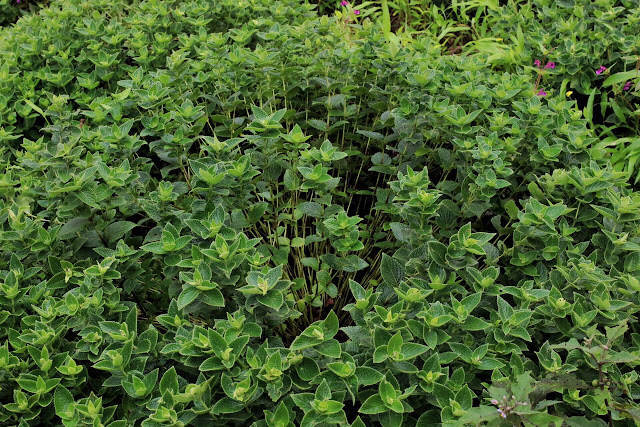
[
  {"x": 237, "y": 212},
  {"x": 588, "y": 51},
  {"x": 11, "y": 10}
]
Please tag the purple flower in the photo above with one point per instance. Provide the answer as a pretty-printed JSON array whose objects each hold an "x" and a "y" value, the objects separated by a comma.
[
  {"x": 601, "y": 70},
  {"x": 494, "y": 401},
  {"x": 357, "y": 12},
  {"x": 344, "y": 3},
  {"x": 551, "y": 65},
  {"x": 542, "y": 93},
  {"x": 537, "y": 63},
  {"x": 502, "y": 414},
  {"x": 627, "y": 85}
]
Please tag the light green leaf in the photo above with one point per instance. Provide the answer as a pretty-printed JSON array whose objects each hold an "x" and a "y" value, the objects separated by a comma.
[
  {"x": 620, "y": 77},
  {"x": 61, "y": 400}
]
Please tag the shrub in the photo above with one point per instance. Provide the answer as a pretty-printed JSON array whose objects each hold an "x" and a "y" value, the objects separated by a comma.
[{"x": 253, "y": 216}]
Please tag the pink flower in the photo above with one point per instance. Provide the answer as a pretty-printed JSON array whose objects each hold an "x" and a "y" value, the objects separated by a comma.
[
  {"x": 344, "y": 3},
  {"x": 601, "y": 70},
  {"x": 357, "y": 12},
  {"x": 627, "y": 85},
  {"x": 551, "y": 65},
  {"x": 537, "y": 63},
  {"x": 494, "y": 401},
  {"x": 542, "y": 93}
]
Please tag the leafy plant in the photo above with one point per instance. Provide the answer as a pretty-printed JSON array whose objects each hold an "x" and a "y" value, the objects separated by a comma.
[{"x": 244, "y": 214}]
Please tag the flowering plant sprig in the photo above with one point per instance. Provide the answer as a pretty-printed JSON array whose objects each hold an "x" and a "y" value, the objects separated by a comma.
[
  {"x": 506, "y": 406},
  {"x": 548, "y": 65},
  {"x": 541, "y": 69},
  {"x": 345, "y": 3}
]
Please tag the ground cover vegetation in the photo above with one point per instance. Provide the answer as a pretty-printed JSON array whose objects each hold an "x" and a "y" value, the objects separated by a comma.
[{"x": 245, "y": 213}]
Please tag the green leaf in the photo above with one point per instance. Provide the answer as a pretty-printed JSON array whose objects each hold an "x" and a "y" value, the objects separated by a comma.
[
  {"x": 489, "y": 364},
  {"x": 632, "y": 262},
  {"x": 392, "y": 419},
  {"x": 226, "y": 405},
  {"x": 281, "y": 415},
  {"x": 151, "y": 379},
  {"x": 472, "y": 323},
  {"x": 320, "y": 125},
  {"x": 350, "y": 263},
  {"x": 620, "y": 77},
  {"x": 505, "y": 311},
  {"x": 343, "y": 370},
  {"x": 259, "y": 113},
  {"x": 471, "y": 302},
  {"x": 273, "y": 299},
  {"x": 431, "y": 418},
  {"x": 73, "y": 226},
  {"x": 622, "y": 357},
  {"x": 584, "y": 422},
  {"x": 368, "y": 376},
  {"x": 213, "y": 363},
  {"x": 154, "y": 247},
  {"x": 462, "y": 351},
  {"x": 395, "y": 343},
  {"x": 330, "y": 325},
  {"x": 588, "y": 110},
  {"x": 312, "y": 209},
  {"x": 118, "y": 229},
  {"x": 438, "y": 252},
  {"x": 308, "y": 369},
  {"x": 387, "y": 391},
  {"x": 212, "y": 297},
  {"x": 303, "y": 401},
  {"x": 169, "y": 382},
  {"x": 256, "y": 211},
  {"x": 373, "y": 405},
  {"x": 62, "y": 399},
  {"x": 210, "y": 178},
  {"x": 323, "y": 392},
  {"x": 542, "y": 419},
  {"x": 442, "y": 394},
  {"x": 380, "y": 354},
  {"x": 330, "y": 348},
  {"x": 476, "y": 416},
  {"x": 297, "y": 242},
  {"x": 411, "y": 350},
  {"x": 465, "y": 397},
  {"x": 303, "y": 341},
  {"x": 187, "y": 296},
  {"x": 392, "y": 271}
]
